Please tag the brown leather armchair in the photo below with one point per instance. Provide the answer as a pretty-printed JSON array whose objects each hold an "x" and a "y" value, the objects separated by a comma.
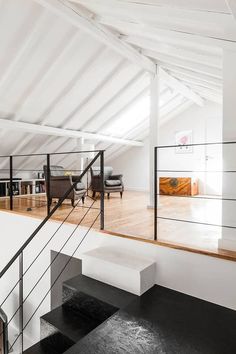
[
  {"x": 112, "y": 183},
  {"x": 59, "y": 184}
]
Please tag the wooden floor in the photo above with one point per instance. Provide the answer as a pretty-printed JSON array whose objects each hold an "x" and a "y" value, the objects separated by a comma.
[{"x": 130, "y": 216}]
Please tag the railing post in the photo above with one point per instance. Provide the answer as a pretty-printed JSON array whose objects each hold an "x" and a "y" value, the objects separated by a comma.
[
  {"x": 21, "y": 297},
  {"x": 48, "y": 177},
  {"x": 155, "y": 193},
  {"x": 102, "y": 190},
  {"x": 4, "y": 332},
  {"x": 11, "y": 183}
]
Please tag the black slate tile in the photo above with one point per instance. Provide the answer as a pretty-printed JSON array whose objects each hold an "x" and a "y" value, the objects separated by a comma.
[
  {"x": 101, "y": 291},
  {"x": 72, "y": 325},
  {"x": 166, "y": 322},
  {"x": 54, "y": 344}
]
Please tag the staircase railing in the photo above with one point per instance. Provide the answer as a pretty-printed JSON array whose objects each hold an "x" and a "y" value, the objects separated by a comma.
[
  {"x": 19, "y": 255},
  {"x": 3, "y": 333}
]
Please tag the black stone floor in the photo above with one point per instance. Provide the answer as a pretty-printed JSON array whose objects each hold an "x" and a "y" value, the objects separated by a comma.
[{"x": 166, "y": 322}]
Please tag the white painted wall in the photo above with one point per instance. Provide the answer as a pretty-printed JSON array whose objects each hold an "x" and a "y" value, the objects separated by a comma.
[
  {"x": 206, "y": 124},
  {"x": 134, "y": 165},
  {"x": 201, "y": 276}
]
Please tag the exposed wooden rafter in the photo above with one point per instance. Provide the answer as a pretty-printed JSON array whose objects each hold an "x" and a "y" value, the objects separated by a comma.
[
  {"x": 47, "y": 130},
  {"x": 91, "y": 26},
  {"x": 184, "y": 63},
  {"x": 83, "y": 21}
]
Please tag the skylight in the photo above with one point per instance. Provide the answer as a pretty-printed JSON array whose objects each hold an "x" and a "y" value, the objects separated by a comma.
[
  {"x": 139, "y": 111},
  {"x": 130, "y": 118}
]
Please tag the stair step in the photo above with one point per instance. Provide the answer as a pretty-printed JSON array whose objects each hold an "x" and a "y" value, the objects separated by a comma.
[
  {"x": 60, "y": 329},
  {"x": 119, "y": 268},
  {"x": 72, "y": 325},
  {"x": 54, "y": 344},
  {"x": 94, "y": 298}
]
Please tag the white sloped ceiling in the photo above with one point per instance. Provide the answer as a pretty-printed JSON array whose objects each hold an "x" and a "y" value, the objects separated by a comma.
[{"x": 53, "y": 74}]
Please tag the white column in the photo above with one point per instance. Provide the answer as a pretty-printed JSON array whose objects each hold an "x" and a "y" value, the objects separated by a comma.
[
  {"x": 228, "y": 240},
  {"x": 79, "y": 147},
  {"x": 153, "y": 130}
]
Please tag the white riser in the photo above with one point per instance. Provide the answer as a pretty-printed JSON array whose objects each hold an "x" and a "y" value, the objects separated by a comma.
[{"x": 131, "y": 273}]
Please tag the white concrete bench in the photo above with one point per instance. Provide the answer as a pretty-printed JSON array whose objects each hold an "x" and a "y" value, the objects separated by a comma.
[{"x": 119, "y": 268}]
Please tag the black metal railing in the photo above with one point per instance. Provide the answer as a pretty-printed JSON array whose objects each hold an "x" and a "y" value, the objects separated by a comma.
[
  {"x": 220, "y": 170},
  {"x": 3, "y": 333},
  {"x": 9, "y": 172},
  {"x": 19, "y": 255}
]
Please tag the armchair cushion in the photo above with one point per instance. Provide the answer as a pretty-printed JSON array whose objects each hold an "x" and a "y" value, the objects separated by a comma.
[
  {"x": 56, "y": 171},
  {"x": 79, "y": 186},
  {"x": 107, "y": 171},
  {"x": 112, "y": 182},
  {"x": 116, "y": 177}
]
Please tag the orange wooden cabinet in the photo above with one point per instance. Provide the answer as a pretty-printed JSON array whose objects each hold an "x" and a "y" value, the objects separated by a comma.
[{"x": 178, "y": 186}]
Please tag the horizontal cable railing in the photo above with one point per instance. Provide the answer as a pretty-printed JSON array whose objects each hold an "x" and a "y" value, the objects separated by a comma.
[
  {"x": 177, "y": 161},
  {"x": 98, "y": 212},
  {"x": 11, "y": 180}
]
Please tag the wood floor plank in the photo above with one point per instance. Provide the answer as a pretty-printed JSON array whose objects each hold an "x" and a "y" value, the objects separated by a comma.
[{"x": 130, "y": 217}]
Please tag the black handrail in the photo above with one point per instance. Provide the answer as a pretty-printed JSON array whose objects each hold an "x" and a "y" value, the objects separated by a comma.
[
  {"x": 26, "y": 243},
  {"x": 52, "y": 153},
  {"x": 196, "y": 144}
]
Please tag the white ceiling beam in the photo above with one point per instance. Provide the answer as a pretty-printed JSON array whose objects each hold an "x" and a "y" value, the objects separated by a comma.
[
  {"x": 94, "y": 28},
  {"x": 183, "y": 63},
  {"x": 209, "y": 94},
  {"x": 180, "y": 87},
  {"x": 141, "y": 12},
  {"x": 196, "y": 5},
  {"x": 198, "y": 81},
  {"x": 47, "y": 130},
  {"x": 91, "y": 26},
  {"x": 171, "y": 36},
  {"x": 193, "y": 83},
  {"x": 232, "y": 7},
  {"x": 182, "y": 53},
  {"x": 172, "y": 69}
]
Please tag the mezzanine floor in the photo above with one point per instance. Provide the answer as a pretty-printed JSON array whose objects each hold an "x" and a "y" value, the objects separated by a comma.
[{"x": 130, "y": 217}]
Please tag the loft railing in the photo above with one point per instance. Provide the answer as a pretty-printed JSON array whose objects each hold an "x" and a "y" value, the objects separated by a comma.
[
  {"x": 203, "y": 160},
  {"x": 10, "y": 160},
  {"x": 19, "y": 255}
]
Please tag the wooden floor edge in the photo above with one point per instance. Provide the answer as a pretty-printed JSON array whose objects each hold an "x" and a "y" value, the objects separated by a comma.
[{"x": 222, "y": 254}]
